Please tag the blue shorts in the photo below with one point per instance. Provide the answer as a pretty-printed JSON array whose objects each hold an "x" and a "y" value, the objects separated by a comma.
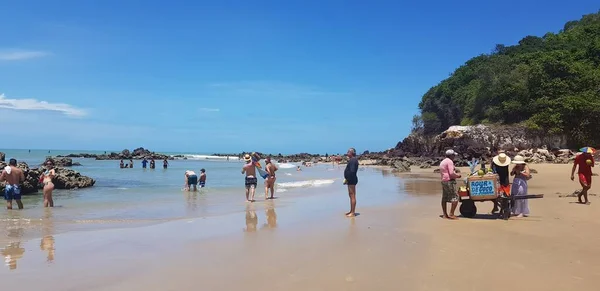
[
  {"x": 192, "y": 179},
  {"x": 12, "y": 192},
  {"x": 202, "y": 183}
]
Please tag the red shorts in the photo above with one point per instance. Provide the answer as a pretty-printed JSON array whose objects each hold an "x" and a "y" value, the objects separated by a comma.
[{"x": 585, "y": 179}]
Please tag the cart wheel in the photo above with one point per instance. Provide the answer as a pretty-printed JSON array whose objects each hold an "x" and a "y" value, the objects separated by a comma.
[{"x": 468, "y": 209}]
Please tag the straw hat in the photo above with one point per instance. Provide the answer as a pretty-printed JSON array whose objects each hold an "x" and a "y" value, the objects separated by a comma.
[
  {"x": 247, "y": 158},
  {"x": 519, "y": 160},
  {"x": 502, "y": 160}
]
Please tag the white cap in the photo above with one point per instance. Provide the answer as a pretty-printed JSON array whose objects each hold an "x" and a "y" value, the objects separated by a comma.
[{"x": 451, "y": 152}]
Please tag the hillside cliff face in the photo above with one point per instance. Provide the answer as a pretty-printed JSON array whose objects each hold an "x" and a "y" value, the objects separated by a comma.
[{"x": 477, "y": 141}]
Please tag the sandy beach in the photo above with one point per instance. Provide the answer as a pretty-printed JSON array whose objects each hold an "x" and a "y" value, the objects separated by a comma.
[{"x": 400, "y": 244}]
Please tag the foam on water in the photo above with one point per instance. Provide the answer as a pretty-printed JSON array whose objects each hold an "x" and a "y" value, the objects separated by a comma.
[
  {"x": 286, "y": 166},
  {"x": 307, "y": 183},
  {"x": 209, "y": 157}
]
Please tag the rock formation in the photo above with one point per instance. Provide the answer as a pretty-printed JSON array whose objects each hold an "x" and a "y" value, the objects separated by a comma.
[
  {"x": 2, "y": 156},
  {"x": 65, "y": 179},
  {"x": 137, "y": 154},
  {"x": 62, "y": 162}
]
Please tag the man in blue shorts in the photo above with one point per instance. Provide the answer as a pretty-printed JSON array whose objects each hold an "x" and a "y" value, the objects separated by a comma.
[
  {"x": 191, "y": 179},
  {"x": 13, "y": 177}
]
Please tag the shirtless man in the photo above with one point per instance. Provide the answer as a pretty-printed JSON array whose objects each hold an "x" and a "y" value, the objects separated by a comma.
[
  {"x": 270, "y": 180},
  {"x": 190, "y": 180},
  {"x": 202, "y": 181},
  {"x": 13, "y": 177},
  {"x": 250, "y": 170}
]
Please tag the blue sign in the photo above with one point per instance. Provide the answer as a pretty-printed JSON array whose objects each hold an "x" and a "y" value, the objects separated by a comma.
[{"x": 482, "y": 188}]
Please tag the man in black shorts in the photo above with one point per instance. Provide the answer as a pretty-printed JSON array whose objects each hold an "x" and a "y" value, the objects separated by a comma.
[
  {"x": 250, "y": 170},
  {"x": 351, "y": 179}
]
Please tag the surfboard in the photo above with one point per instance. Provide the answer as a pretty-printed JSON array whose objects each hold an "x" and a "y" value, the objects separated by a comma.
[{"x": 262, "y": 173}]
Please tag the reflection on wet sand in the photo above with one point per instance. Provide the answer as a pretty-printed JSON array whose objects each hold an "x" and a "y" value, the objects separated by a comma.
[
  {"x": 271, "y": 217},
  {"x": 47, "y": 242},
  {"x": 192, "y": 200},
  {"x": 12, "y": 253},
  {"x": 251, "y": 218},
  {"x": 420, "y": 185}
]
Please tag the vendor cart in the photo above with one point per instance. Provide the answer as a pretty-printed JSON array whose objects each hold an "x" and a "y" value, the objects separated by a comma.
[{"x": 480, "y": 188}]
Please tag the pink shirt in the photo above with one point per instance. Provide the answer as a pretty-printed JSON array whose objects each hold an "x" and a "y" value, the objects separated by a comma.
[{"x": 447, "y": 170}]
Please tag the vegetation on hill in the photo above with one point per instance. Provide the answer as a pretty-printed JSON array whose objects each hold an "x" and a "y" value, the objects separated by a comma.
[{"x": 551, "y": 83}]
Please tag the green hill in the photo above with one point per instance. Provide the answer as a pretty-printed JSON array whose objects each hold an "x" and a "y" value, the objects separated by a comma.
[{"x": 550, "y": 83}]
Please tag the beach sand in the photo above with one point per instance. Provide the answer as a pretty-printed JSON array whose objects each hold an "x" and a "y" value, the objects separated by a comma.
[{"x": 401, "y": 246}]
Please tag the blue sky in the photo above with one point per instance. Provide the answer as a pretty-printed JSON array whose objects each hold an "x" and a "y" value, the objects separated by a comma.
[{"x": 229, "y": 76}]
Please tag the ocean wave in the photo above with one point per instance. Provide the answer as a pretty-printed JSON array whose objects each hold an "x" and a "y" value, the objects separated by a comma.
[
  {"x": 208, "y": 157},
  {"x": 307, "y": 183},
  {"x": 286, "y": 166}
]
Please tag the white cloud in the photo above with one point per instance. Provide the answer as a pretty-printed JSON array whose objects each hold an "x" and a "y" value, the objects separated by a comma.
[
  {"x": 21, "y": 55},
  {"x": 33, "y": 104},
  {"x": 210, "y": 109}
]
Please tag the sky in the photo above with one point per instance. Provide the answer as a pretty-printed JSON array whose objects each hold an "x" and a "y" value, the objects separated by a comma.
[{"x": 230, "y": 76}]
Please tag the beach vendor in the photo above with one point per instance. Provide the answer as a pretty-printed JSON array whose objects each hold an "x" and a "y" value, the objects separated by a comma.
[
  {"x": 584, "y": 162},
  {"x": 500, "y": 164},
  {"x": 191, "y": 179},
  {"x": 448, "y": 175}
]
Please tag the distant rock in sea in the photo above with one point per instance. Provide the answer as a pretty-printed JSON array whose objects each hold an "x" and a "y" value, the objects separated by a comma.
[
  {"x": 136, "y": 154},
  {"x": 62, "y": 162}
]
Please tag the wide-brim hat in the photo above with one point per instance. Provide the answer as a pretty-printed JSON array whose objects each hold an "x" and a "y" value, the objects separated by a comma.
[
  {"x": 247, "y": 158},
  {"x": 519, "y": 160},
  {"x": 502, "y": 160}
]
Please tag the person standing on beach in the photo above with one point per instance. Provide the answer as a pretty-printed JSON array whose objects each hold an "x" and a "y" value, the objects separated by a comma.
[
  {"x": 13, "y": 177},
  {"x": 144, "y": 163},
  {"x": 351, "y": 179},
  {"x": 165, "y": 163},
  {"x": 500, "y": 165},
  {"x": 202, "y": 181},
  {"x": 585, "y": 162},
  {"x": 250, "y": 170},
  {"x": 270, "y": 180},
  {"x": 449, "y": 176}
]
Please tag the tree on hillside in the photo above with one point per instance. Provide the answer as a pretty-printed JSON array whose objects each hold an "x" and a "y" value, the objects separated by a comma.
[{"x": 550, "y": 83}]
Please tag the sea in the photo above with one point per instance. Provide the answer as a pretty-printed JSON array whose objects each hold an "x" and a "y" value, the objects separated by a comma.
[{"x": 137, "y": 197}]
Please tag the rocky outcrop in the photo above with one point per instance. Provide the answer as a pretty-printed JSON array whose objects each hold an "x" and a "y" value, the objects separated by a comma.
[
  {"x": 2, "y": 156},
  {"x": 62, "y": 162},
  {"x": 136, "y": 154},
  {"x": 65, "y": 179}
]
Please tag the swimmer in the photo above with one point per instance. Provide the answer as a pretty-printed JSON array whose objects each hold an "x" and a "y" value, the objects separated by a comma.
[
  {"x": 190, "y": 180},
  {"x": 47, "y": 177},
  {"x": 13, "y": 177},
  {"x": 202, "y": 181}
]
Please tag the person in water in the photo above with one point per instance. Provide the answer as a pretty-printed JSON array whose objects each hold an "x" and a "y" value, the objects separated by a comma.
[
  {"x": 202, "y": 181},
  {"x": 13, "y": 177},
  {"x": 131, "y": 163},
  {"x": 351, "y": 179},
  {"x": 165, "y": 163},
  {"x": 250, "y": 170},
  {"x": 152, "y": 163},
  {"x": 191, "y": 179},
  {"x": 144, "y": 163},
  {"x": 270, "y": 180},
  {"x": 47, "y": 177},
  {"x": 122, "y": 165}
]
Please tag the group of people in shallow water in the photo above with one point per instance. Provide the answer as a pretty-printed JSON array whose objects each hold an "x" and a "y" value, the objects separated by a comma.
[
  {"x": 145, "y": 162},
  {"x": 14, "y": 177}
]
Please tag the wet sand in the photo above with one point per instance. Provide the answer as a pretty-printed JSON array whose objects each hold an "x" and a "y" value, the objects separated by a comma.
[{"x": 401, "y": 245}]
